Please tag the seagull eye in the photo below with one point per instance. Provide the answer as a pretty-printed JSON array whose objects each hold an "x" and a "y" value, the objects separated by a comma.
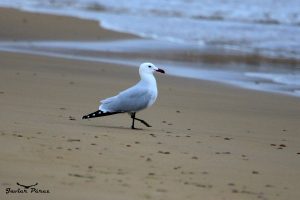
[{"x": 149, "y": 66}]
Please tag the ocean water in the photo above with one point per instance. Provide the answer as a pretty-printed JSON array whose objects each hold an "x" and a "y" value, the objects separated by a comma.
[
  {"x": 269, "y": 27},
  {"x": 264, "y": 29}
]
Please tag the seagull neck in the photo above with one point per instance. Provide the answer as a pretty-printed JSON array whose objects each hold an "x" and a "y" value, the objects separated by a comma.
[{"x": 148, "y": 79}]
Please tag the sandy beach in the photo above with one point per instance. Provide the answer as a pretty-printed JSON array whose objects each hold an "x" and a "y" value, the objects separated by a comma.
[{"x": 207, "y": 140}]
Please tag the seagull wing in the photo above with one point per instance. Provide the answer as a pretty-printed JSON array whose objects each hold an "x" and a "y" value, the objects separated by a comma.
[{"x": 131, "y": 100}]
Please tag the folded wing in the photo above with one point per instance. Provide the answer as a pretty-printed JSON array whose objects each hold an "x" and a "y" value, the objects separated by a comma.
[{"x": 131, "y": 100}]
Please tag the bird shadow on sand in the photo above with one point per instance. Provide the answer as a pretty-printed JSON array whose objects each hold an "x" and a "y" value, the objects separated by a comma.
[{"x": 116, "y": 127}]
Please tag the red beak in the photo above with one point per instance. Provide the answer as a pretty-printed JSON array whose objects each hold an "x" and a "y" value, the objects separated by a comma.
[{"x": 160, "y": 70}]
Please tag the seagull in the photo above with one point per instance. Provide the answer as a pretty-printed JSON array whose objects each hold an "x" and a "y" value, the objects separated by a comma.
[{"x": 136, "y": 98}]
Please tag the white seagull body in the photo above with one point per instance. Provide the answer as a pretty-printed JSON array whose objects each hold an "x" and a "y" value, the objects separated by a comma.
[{"x": 136, "y": 98}]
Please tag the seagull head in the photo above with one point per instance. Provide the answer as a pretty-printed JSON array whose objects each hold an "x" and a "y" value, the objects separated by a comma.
[{"x": 149, "y": 68}]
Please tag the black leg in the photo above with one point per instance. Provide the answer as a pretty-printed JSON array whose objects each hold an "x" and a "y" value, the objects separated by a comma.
[
  {"x": 144, "y": 122},
  {"x": 140, "y": 120},
  {"x": 133, "y": 118}
]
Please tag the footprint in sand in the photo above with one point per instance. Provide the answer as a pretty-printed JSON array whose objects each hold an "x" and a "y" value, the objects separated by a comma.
[
  {"x": 72, "y": 118},
  {"x": 234, "y": 191},
  {"x": 269, "y": 186},
  {"x": 177, "y": 167},
  {"x": 226, "y": 152},
  {"x": 244, "y": 157},
  {"x": 73, "y": 140},
  {"x": 280, "y": 146},
  {"x": 81, "y": 176},
  {"x": 208, "y": 186},
  {"x": 153, "y": 135},
  {"x": 161, "y": 190},
  {"x": 24, "y": 20},
  {"x": 164, "y": 152}
]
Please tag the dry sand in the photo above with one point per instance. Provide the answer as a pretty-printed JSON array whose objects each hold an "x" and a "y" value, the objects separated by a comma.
[{"x": 208, "y": 141}]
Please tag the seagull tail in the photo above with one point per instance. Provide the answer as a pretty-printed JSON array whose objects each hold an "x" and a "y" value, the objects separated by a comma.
[{"x": 98, "y": 113}]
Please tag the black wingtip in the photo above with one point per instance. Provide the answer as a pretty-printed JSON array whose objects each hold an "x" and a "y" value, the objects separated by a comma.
[{"x": 99, "y": 113}]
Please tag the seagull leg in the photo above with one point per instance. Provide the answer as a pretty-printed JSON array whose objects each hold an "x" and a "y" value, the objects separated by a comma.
[
  {"x": 143, "y": 121},
  {"x": 140, "y": 120},
  {"x": 133, "y": 118}
]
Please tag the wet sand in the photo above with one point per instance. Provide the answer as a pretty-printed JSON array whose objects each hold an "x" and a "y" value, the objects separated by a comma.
[{"x": 208, "y": 140}]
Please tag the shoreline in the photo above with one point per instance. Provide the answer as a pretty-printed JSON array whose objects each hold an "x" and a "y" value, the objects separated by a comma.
[
  {"x": 131, "y": 52},
  {"x": 220, "y": 65},
  {"x": 207, "y": 139},
  {"x": 275, "y": 75},
  {"x": 30, "y": 26}
]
